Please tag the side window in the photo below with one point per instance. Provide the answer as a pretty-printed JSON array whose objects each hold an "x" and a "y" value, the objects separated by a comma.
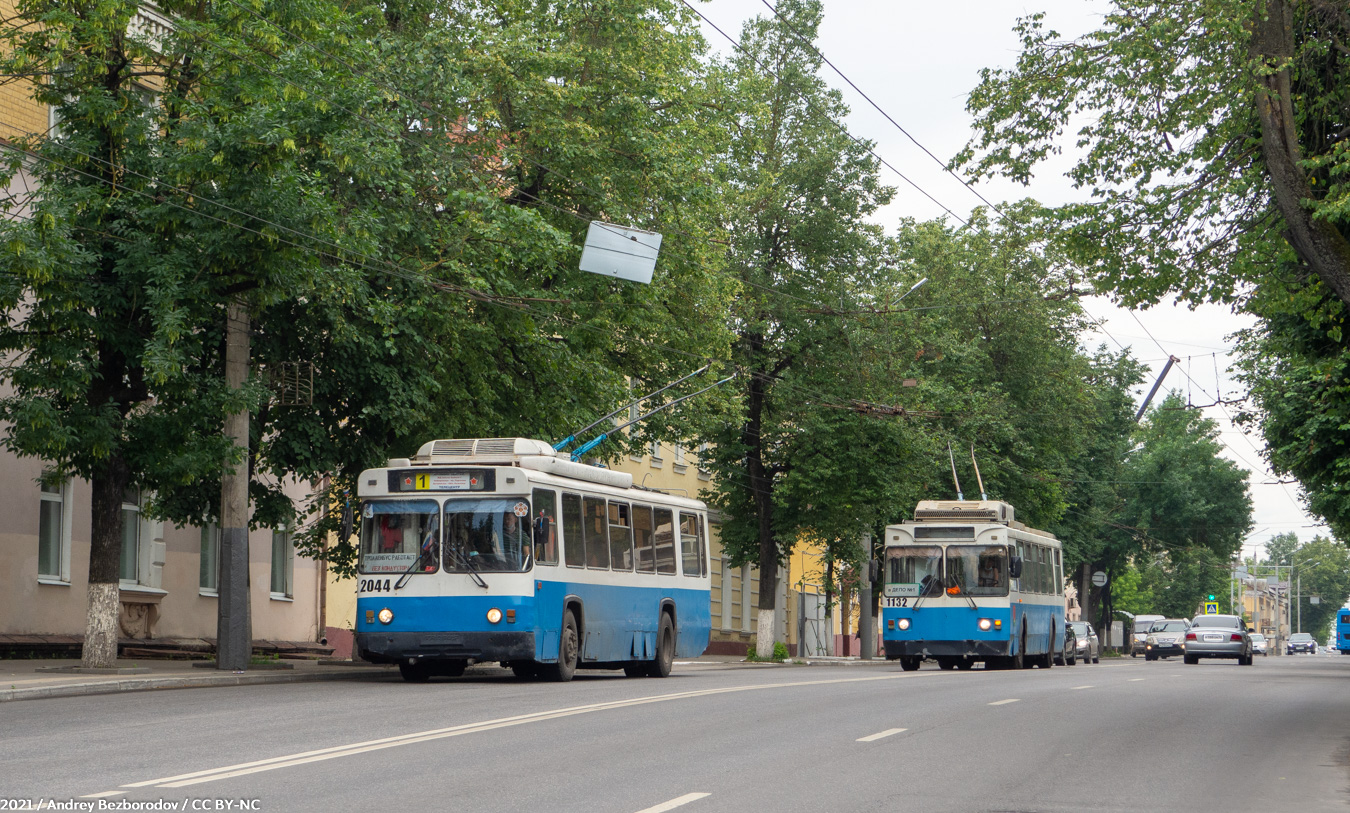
[
  {"x": 283, "y": 563},
  {"x": 130, "y": 567},
  {"x": 1045, "y": 571},
  {"x": 644, "y": 545},
  {"x": 1019, "y": 584},
  {"x": 54, "y": 532},
  {"x": 1059, "y": 574},
  {"x": 574, "y": 547},
  {"x": 620, "y": 537},
  {"x": 689, "y": 544},
  {"x": 545, "y": 531},
  {"x": 665, "y": 540},
  {"x": 208, "y": 569},
  {"x": 595, "y": 530}
]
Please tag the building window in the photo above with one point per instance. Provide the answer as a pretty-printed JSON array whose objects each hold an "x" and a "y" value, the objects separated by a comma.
[
  {"x": 208, "y": 578},
  {"x": 54, "y": 532},
  {"x": 131, "y": 536},
  {"x": 282, "y": 562}
]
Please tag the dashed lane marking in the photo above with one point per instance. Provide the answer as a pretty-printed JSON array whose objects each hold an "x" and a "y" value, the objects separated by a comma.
[
  {"x": 674, "y": 803},
  {"x": 881, "y": 735}
]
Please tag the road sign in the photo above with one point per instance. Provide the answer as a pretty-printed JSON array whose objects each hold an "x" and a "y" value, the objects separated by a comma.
[
  {"x": 1211, "y": 608},
  {"x": 1099, "y": 579}
]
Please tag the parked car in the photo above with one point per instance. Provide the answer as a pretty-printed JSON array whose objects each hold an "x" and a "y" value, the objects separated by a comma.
[
  {"x": 1218, "y": 636},
  {"x": 1300, "y": 642},
  {"x": 1166, "y": 638},
  {"x": 1068, "y": 653},
  {"x": 1259, "y": 644},
  {"x": 1141, "y": 627},
  {"x": 1088, "y": 646}
]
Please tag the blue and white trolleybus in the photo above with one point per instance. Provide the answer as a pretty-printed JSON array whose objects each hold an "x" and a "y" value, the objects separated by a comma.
[
  {"x": 965, "y": 582},
  {"x": 503, "y": 550}
]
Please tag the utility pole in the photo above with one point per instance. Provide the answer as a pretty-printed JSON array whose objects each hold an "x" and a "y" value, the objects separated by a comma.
[
  {"x": 234, "y": 634},
  {"x": 866, "y": 632}
]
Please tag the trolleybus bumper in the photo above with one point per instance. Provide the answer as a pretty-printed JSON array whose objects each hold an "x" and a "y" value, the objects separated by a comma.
[
  {"x": 940, "y": 649},
  {"x": 392, "y": 647}
]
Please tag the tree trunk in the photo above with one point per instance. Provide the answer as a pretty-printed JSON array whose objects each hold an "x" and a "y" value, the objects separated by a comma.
[
  {"x": 105, "y": 561},
  {"x": 1317, "y": 242},
  {"x": 761, "y": 485}
]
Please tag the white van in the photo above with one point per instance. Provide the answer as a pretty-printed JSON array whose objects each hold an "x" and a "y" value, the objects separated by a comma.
[{"x": 1141, "y": 625}]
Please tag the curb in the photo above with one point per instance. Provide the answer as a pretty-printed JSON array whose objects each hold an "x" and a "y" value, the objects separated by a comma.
[{"x": 184, "y": 682}]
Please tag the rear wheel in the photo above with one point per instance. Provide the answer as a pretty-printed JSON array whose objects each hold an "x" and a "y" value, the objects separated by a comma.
[
  {"x": 946, "y": 663},
  {"x": 569, "y": 649},
  {"x": 965, "y": 663},
  {"x": 910, "y": 664},
  {"x": 1191, "y": 659},
  {"x": 665, "y": 649}
]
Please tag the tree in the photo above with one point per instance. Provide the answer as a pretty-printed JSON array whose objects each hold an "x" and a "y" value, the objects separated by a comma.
[
  {"x": 1326, "y": 575},
  {"x": 799, "y": 191},
  {"x": 1213, "y": 136}
]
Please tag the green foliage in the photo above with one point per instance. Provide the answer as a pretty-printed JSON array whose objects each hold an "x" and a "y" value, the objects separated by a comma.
[
  {"x": 1163, "y": 101},
  {"x": 780, "y": 654}
]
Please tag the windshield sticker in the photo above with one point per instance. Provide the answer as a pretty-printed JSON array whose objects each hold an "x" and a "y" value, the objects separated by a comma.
[
  {"x": 900, "y": 590},
  {"x": 521, "y": 509},
  {"x": 387, "y": 562}
]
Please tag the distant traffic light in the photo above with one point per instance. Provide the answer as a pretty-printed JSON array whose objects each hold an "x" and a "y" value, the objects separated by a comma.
[{"x": 1211, "y": 596}]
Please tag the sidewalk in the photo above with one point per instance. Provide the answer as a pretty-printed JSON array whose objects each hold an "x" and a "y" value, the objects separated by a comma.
[{"x": 50, "y": 677}]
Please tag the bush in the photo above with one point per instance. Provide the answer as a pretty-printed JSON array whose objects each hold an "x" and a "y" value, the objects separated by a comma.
[{"x": 780, "y": 653}]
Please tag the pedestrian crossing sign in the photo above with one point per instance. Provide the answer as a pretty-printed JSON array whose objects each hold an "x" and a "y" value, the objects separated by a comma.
[{"x": 1211, "y": 608}]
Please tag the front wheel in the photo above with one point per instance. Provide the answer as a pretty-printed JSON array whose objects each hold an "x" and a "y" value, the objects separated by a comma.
[
  {"x": 414, "y": 672},
  {"x": 1191, "y": 659},
  {"x": 910, "y": 664}
]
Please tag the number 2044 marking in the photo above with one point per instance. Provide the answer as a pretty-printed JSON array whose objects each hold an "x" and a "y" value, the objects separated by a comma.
[{"x": 373, "y": 586}]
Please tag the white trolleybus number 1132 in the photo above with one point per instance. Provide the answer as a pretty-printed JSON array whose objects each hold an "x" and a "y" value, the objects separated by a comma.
[
  {"x": 503, "y": 550},
  {"x": 965, "y": 583}
]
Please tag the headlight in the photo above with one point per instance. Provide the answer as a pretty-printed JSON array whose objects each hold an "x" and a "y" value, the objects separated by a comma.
[
  {"x": 903, "y": 623},
  {"x": 386, "y": 615},
  {"x": 1150, "y": 640},
  {"x": 985, "y": 624},
  {"x": 494, "y": 615}
]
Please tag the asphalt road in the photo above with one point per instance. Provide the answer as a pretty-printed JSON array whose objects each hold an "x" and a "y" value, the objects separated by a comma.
[{"x": 1124, "y": 735}]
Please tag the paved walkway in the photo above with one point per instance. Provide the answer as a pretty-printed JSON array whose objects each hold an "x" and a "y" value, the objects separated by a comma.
[{"x": 41, "y": 678}]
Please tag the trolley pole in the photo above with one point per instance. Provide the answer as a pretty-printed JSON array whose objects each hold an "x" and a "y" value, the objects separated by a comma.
[
  {"x": 234, "y": 645},
  {"x": 866, "y": 631}
]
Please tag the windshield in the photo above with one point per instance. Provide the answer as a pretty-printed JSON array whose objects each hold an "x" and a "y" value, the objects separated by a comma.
[
  {"x": 1300, "y": 636},
  {"x": 918, "y": 569},
  {"x": 1142, "y": 626},
  {"x": 1220, "y": 621},
  {"x": 1169, "y": 626},
  {"x": 979, "y": 570},
  {"x": 487, "y": 535},
  {"x": 395, "y": 532},
  {"x": 1080, "y": 628},
  {"x": 1256, "y": 636}
]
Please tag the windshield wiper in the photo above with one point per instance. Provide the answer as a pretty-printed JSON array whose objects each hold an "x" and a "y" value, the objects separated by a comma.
[
  {"x": 421, "y": 555},
  {"x": 467, "y": 563}
]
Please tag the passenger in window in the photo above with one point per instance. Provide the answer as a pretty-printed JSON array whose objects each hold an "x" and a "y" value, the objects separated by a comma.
[{"x": 543, "y": 536}]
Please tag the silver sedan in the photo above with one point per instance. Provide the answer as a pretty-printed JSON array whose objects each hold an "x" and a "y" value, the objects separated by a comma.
[{"x": 1218, "y": 636}]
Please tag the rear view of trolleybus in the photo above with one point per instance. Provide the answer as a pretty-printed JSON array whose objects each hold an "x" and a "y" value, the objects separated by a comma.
[
  {"x": 501, "y": 550},
  {"x": 965, "y": 583}
]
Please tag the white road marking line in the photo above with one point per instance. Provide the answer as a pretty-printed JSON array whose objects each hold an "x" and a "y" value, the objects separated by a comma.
[
  {"x": 104, "y": 794},
  {"x": 1003, "y": 702},
  {"x": 674, "y": 803},
  {"x": 879, "y": 735},
  {"x": 242, "y": 769},
  {"x": 1135, "y": 680},
  {"x": 1083, "y": 687}
]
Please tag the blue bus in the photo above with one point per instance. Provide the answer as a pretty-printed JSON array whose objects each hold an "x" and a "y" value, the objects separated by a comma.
[
  {"x": 1343, "y": 630},
  {"x": 966, "y": 583},
  {"x": 500, "y": 549}
]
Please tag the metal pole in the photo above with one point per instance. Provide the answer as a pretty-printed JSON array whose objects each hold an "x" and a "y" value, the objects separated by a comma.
[
  {"x": 234, "y": 644},
  {"x": 1299, "y": 599},
  {"x": 866, "y": 632}
]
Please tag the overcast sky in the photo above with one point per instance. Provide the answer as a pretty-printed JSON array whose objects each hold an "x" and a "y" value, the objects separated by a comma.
[{"x": 917, "y": 61}]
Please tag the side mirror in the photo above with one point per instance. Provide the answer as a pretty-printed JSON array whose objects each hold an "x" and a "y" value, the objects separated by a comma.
[
  {"x": 1015, "y": 567},
  {"x": 348, "y": 521}
]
